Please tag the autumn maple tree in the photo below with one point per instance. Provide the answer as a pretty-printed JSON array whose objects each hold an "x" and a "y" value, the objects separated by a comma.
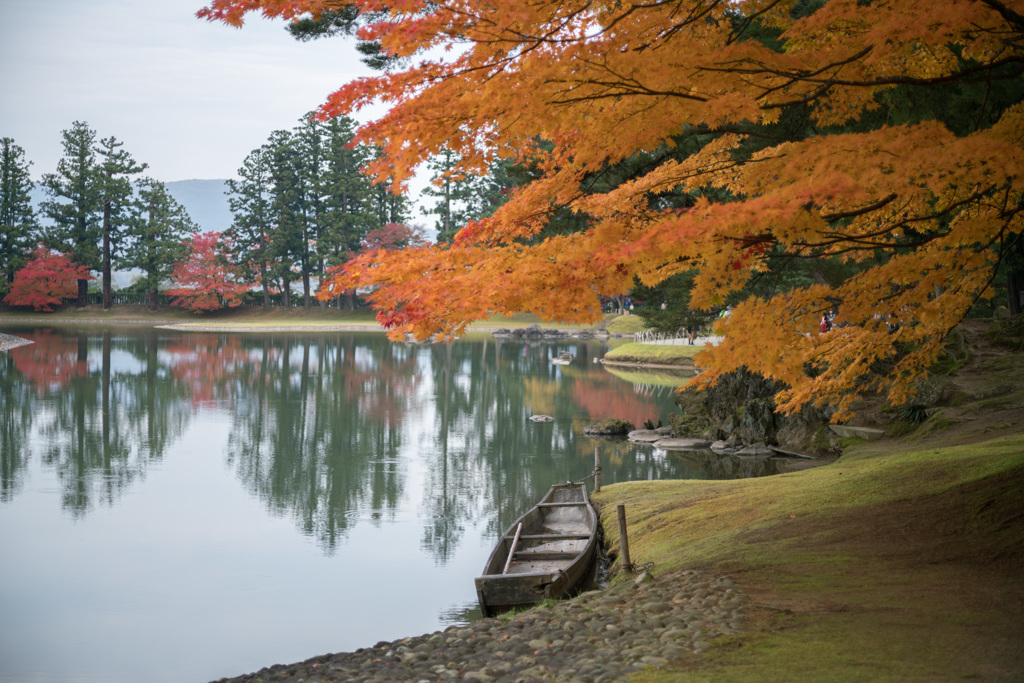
[
  {"x": 47, "y": 278},
  {"x": 883, "y": 135},
  {"x": 391, "y": 236},
  {"x": 206, "y": 280}
]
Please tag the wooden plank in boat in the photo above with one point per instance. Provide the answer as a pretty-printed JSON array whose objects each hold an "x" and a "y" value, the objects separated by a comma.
[
  {"x": 526, "y": 555},
  {"x": 551, "y": 537}
]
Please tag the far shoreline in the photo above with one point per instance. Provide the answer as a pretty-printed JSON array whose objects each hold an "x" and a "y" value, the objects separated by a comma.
[{"x": 316, "y": 320}]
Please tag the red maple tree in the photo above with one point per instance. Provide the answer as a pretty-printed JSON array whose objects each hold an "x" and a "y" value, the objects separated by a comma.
[
  {"x": 49, "y": 277},
  {"x": 207, "y": 280},
  {"x": 394, "y": 236}
]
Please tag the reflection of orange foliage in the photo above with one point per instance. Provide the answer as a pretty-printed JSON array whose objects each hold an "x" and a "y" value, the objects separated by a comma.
[
  {"x": 616, "y": 400},
  {"x": 50, "y": 363},
  {"x": 206, "y": 364},
  {"x": 539, "y": 395}
]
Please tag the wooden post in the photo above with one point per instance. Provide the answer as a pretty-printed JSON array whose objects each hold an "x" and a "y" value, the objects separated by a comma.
[
  {"x": 624, "y": 539},
  {"x": 512, "y": 549},
  {"x": 597, "y": 469}
]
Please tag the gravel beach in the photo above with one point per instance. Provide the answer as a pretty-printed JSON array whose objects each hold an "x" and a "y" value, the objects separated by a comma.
[
  {"x": 9, "y": 341},
  {"x": 599, "y": 636}
]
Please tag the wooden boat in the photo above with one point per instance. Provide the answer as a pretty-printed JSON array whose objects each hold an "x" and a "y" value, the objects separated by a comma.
[{"x": 546, "y": 553}]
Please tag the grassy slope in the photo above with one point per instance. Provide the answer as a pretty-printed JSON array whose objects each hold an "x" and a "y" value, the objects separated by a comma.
[
  {"x": 625, "y": 324},
  {"x": 901, "y": 561},
  {"x": 657, "y": 354}
]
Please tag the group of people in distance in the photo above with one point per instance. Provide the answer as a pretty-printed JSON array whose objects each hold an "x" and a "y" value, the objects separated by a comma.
[{"x": 826, "y": 321}]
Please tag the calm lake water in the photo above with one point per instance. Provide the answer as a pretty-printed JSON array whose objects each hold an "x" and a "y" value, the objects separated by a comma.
[{"x": 181, "y": 507}]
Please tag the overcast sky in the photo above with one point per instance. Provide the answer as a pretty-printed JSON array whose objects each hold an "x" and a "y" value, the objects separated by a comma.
[{"x": 188, "y": 97}]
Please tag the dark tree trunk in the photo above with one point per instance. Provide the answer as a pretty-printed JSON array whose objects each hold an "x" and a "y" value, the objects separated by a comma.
[
  {"x": 83, "y": 293},
  {"x": 265, "y": 281},
  {"x": 286, "y": 293},
  {"x": 107, "y": 298},
  {"x": 306, "y": 300},
  {"x": 1015, "y": 291}
]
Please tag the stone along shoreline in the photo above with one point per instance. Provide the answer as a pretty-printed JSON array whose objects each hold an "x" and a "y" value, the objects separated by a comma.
[{"x": 602, "y": 635}]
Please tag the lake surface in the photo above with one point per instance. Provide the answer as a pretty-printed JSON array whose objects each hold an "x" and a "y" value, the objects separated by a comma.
[{"x": 187, "y": 506}]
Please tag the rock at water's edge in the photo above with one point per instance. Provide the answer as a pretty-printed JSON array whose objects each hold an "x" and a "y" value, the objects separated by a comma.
[
  {"x": 682, "y": 444},
  {"x": 645, "y": 435},
  {"x": 609, "y": 426}
]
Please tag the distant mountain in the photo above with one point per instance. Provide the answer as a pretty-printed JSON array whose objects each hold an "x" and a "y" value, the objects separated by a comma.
[{"x": 204, "y": 200}]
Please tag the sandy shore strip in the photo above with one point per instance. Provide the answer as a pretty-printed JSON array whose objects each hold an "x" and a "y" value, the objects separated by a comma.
[
  {"x": 9, "y": 341},
  {"x": 284, "y": 327}
]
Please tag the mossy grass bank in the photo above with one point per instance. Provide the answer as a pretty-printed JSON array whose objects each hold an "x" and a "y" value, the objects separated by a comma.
[
  {"x": 636, "y": 353},
  {"x": 625, "y": 324},
  {"x": 903, "y": 560}
]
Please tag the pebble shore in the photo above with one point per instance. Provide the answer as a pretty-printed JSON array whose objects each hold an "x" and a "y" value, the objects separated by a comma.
[
  {"x": 602, "y": 635},
  {"x": 9, "y": 341}
]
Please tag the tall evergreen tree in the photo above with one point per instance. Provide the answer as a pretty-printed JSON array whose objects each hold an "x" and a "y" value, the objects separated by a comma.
[
  {"x": 350, "y": 200},
  {"x": 17, "y": 220},
  {"x": 250, "y": 200},
  {"x": 458, "y": 196},
  {"x": 387, "y": 207},
  {"x": 156, "y": 230},
  {"x": 76, "y": 204},
  {"x": 312, "y": 208},
  {"x": 114, "y": 170},
  {"x": 286, "y": 210}
]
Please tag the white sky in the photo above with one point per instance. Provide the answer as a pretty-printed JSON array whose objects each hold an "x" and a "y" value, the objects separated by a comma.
[{"x": 188, "y": 97}]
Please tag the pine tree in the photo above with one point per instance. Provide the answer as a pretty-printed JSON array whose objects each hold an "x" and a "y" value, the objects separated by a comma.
[
  {"x": 309, "y": 146},
  {"x": 387, "y": 205},
  {"x": 76, "y": 204},
  {"x": 156, "y": 231},
  {"x": 17, "y": 220},
  {"x": 350, "y": 198},
  {"x": 115, "y": 167},
  {"x": 459, "y": 196},
  {"x": 286, "y": 208},
  {"x": 250, "y": 200}
]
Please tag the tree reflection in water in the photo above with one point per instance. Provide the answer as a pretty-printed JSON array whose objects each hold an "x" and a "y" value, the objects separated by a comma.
[
  {"x": 328, "y": 429},
  {"x": 102, "y": 421},
  {"x": 316, "y": 430}
]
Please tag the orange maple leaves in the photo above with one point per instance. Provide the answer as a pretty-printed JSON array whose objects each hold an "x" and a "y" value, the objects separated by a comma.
[{"x": 602, "y": 82}]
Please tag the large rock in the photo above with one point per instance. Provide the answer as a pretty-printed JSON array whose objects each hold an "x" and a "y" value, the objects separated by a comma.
[
  {"x": 757, "y": 450},
  {"x": 683, "y": 444},
  {"x": 741, "y": 408},
  {"x": 645, "y": 435},
  {"x": 609, "y": 426}
]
